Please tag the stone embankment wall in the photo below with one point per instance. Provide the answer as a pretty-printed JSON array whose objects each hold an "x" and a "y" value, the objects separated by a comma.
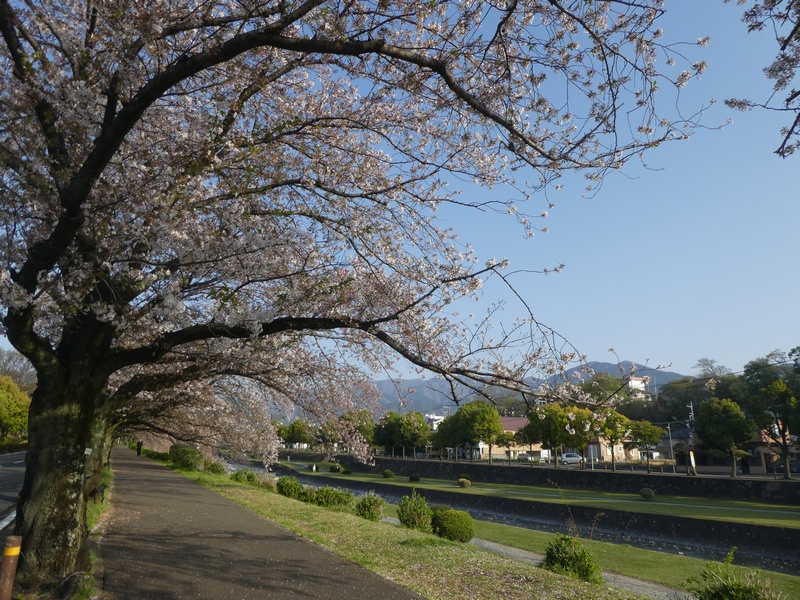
[{"x": 774, "y": 491}]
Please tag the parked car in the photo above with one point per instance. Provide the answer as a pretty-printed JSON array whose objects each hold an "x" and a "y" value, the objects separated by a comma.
[
  {"x": 525, "y": 457},
  {"x": 777, "y": 466},
  {"x": 570, "y": 458}
]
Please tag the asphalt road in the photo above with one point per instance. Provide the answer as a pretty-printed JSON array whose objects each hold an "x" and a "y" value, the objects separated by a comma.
[
  {"x": 12, "y": 472},
  {"x": 170, "y": 538}
]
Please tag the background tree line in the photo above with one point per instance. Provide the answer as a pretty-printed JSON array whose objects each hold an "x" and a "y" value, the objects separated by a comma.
[{"x": 725, "y": 409}]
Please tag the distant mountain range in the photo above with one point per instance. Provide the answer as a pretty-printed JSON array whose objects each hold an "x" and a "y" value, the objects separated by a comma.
[{"x": 433, "y": 395}]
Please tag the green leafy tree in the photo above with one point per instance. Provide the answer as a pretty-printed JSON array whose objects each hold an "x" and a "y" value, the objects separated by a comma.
[
  {"x": 482, "y": 423},
  {"x": 414, "y": 431},
  {"x": 763, "y": 371},
  {"x": 794, "y": 420},
  {"x": 474, "y": 422},
  {"x": 615, "y": 429},
  {"x": 450, "y": 434},
  {"x": 409, "y": 430},
  {"x": 582, "y": 429},
  {"x": 723, "y": 427},
  {"x": 387, "y": 432},
  {"x": 643, "y": 436},
  {"x": 549, "y": 424},
  {"x": 731, "y": 386},
  {"x": 671, "y": 403},
  {"x": 14, "y": 405},
  {"x": 775, "y": 408},
  {"x": 529, "y": 434},
  {"x": 297, "y": 432},
  {"x": 506, "y": 440},
  {"x": 771, "y": 389}
]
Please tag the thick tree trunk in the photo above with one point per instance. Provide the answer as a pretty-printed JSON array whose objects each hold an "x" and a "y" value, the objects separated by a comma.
[{"x": 65, "y": 453}]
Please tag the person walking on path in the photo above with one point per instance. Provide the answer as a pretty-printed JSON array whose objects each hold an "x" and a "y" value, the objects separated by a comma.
[{"x": 169, "y": 538}]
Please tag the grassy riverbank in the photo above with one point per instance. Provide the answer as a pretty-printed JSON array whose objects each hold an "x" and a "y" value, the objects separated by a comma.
[
  {"x": 456, "y": 571},
  {"x": 431, "y": 566}
]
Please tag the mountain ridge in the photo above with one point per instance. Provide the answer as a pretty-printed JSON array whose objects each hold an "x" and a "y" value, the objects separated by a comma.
[{"x": 433, "y": 395}]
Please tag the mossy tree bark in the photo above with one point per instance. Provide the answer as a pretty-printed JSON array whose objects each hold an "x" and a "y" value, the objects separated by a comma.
[
  {"x": 68, "y": 429},
  {"x": 59, "y": 475}
]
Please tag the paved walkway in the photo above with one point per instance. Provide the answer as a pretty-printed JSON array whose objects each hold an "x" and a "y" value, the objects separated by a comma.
[{"x": 170, "y": 538}]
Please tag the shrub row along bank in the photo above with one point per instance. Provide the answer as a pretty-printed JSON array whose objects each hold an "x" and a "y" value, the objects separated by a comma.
[
  {"x": 762, "y": 546},
  {"x": 413, "y": 511}
]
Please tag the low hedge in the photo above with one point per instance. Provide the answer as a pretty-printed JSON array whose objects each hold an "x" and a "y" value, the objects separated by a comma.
[{"x": 186, "y": 457}]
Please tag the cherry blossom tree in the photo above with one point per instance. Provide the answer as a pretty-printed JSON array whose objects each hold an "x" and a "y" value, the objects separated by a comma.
[
  {"x": 782, "y": 19},
  {"x": 209, "y": 206}
]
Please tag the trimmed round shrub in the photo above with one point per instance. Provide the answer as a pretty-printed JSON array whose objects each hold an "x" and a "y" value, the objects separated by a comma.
[
  {"x": 291, "y": 488},
  {"x": 209, "y": 466},
  {"x": 186, "y": 457},
  {"x": 388, "y": 474},
  {"x": 413, "y": 478},
  {"x": 370, "y": 506},
  {"x": 414, "y": 512},
  {"x": 455, "y": 525},
  {"x": 436, "y": 510},
  {"x": 568, "y": 556},
  {"x": 346, "y": 472},
  {"x": 466, "y": 476},
  {"x": 335, "y": 469},
  {"x": 647, "y": 494},
  {"x": 464, "y": 483}
]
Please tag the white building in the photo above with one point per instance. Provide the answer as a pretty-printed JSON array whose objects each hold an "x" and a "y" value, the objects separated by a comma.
[{"x": 433, "y": 421}]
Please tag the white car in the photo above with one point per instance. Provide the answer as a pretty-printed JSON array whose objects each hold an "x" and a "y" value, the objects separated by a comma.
[{"x": 570, "y": 458}]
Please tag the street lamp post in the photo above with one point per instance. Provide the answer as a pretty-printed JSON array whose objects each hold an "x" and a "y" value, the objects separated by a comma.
[{"x": 671, "y": 448}]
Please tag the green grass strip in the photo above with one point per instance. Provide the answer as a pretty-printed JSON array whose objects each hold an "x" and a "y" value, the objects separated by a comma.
[{"x": 757, "y": 513}]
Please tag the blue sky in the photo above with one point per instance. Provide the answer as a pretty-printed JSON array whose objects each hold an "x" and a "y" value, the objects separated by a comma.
[{"x": 693, "y": 257}]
